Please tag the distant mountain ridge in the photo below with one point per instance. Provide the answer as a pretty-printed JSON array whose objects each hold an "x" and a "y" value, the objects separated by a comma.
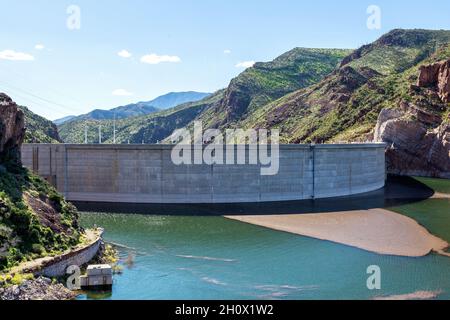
[
  {"x": 62, "y": 120},
  {"x": 173, "y": 99},
  {"x": 142, "y": 108},
  {"x": 252, "y": 89}
]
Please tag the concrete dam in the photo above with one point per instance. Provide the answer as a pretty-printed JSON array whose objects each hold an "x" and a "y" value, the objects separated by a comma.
[{"x": 146, "y": 174}]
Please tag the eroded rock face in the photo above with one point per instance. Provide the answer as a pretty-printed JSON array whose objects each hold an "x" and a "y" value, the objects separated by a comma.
[
  {"x": 12, "y": 131},
  {"x": 418, "y": 139},
  {"x": 428, "y": 75},
  {"x": 437, "y": 77},
  {"x": 444, "y": 81},
  {"x": 413, "y": 148}
]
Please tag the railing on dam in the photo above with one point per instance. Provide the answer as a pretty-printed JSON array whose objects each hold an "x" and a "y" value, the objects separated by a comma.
[{"x": 146, "y": 174}]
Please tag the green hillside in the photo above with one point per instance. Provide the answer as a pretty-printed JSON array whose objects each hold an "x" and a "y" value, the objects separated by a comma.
[
  {"x": 150, "y": 129},
  {"x": 252, "y": 89},
  {"x": 266, "y": 82},
  {"x": 345, "y": 106},
  {"x": 35, "y": 220},
  {"x": 39, "y": 129}
]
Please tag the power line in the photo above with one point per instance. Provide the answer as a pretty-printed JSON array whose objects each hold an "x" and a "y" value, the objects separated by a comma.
[
  {"x": 30, "y": 101},
  {"x": 27, "y": 80},
  {"x": 38, "y": 97}
]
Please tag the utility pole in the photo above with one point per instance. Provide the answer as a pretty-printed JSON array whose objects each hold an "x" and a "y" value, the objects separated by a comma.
[
  {"x": 85, "y": 135},
  {"x": 100, "y": 134},
  {"x": 114, "y": 129}
]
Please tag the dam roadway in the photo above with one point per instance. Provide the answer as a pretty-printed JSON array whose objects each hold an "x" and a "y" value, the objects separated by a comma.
[{"x": 145, "y": 174}]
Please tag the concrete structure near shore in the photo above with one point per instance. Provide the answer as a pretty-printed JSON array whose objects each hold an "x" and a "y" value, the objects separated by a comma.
[
  {"x": 97, "y": 276},
  {"x": 145, "y": 174}
]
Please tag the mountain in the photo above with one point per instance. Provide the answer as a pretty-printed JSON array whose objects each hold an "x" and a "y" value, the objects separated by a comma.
[
  {"x": 59, "y": 122},
  {"x": 252, "y": 89},
  {"x": 376, "y": 94},
  {"x": 153, "y": 127},
  {"x": 174, "y": 99},
  {"x": 130, "y": 110},
  {"x": 346, "y": 104},
  {"x": 266, "y": 82},
  {"x": 141, "y": 108},
  {"x": 72, "y": 128},
  {"x": 39, "y": 129}
]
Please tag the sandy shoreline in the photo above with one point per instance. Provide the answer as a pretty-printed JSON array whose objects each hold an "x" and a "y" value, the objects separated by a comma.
[
  {"x": 375, "y": 230},
  {"x": 438, "y": 195},
  {"x": 418, "y": 295}
]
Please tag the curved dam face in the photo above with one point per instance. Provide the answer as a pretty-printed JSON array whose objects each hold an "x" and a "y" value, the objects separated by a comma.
[{"x": 146, "y": 174}]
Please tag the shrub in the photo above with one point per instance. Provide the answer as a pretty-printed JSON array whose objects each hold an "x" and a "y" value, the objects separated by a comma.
[
  {"x": 20, "y": 225},
  {"x": 38, "y": 249}
]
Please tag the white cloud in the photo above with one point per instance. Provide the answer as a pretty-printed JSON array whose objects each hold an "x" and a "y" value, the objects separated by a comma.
[
  {"x": 15, "y": 56},
  {"x": 121, "y": 93},
  {"x": 124, "y": 54},
  {"x": 39, "y": 46},
  {"x": 156, "y": 59},
  {"x": 227, "y": 51},
  {"x": 245, "y": 64}
]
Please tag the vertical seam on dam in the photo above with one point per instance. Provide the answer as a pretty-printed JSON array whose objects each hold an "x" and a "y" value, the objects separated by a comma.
[
  {"x": 313, "y": 149},
  {"x": 66, "y": 172}
]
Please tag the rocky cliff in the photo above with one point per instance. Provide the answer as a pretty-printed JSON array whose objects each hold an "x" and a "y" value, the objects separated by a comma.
[
  {"x": 12, "y": 131},
  {"x": 418, "y": 142},
  {"x": 418, "y": 137},
  {"x": 35, "y": 220}
]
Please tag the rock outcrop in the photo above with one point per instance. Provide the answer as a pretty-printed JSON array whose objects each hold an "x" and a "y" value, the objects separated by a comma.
[
  {"x": 39, "y": 289},
  {"x": 418, "y": 138},
  {"x": 12, "y": 131},
  {"x": 414, "y": 148},
  {"x": 437, "y": 77}
]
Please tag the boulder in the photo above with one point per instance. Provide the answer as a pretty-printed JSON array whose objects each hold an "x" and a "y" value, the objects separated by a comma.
[{"x": 12, "y": 131}]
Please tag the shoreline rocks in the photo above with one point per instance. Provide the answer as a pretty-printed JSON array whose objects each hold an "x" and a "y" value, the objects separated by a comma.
[{"x": 38, "y": 289}]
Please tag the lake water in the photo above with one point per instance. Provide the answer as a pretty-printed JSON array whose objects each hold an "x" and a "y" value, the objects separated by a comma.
[{"x": 176, "y": 257}]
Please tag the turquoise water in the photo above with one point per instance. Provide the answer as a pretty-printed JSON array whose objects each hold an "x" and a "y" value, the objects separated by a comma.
[{"x": 216, "y": 258}]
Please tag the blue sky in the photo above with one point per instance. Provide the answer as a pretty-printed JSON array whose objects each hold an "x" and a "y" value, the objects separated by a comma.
[{"x": 57, "y": 71}]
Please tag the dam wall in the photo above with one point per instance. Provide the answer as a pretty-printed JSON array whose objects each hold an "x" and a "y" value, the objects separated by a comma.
[{"x": 145, "y": 174}]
